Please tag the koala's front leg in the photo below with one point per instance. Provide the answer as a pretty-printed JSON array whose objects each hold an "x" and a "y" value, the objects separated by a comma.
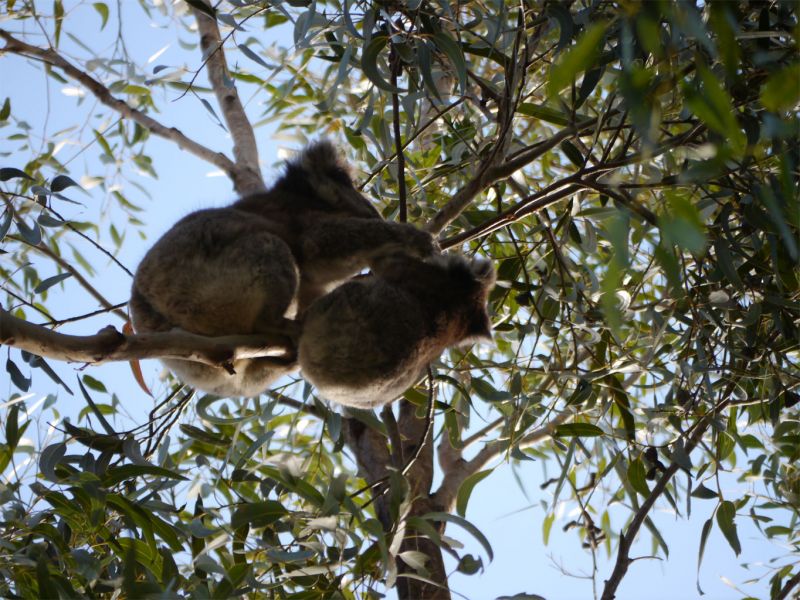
[
  {"x": 350, "y": 244},
  {"x": 333, "y": 249}
]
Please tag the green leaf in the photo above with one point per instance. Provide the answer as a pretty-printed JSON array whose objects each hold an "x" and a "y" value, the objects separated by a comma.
[
  {"x": 712, "y": 104},
  {"x": 566, "y": 26},
  {"x": 547, "y": 525},
  {"x": 50, "y": 282},
  {"x": 453, "y": 51},
  {"x": 253, "y": 56},
  {"x": 703, "y": 492},
  {"x": 58, "y": 14},
  {"x": 703, "y": 539},
  {"x": 49, "y": 458},
  {"x": 5, "y": 111},
  {"x": 578, "y": 58},
  {"x": 782, "y": 89},
  {"x": 258, "y": 514},
  {"x": 102, "y": 10},
  {"x": 94, "y": 384},
  {"x": 5, "y": 225},
  {"x": 681, "y": 224},
  {"x": 726, "y": 513},
  {"x": 12, "y": 427},
  {"x": 637, "y": 477},
  {"x": 474, "y": 531},
  {"x": 30, "y": 233},
  {"x": 578, "y": 430},
  {"x": 574, "y": 155},
  {"x": 369, "y": 64},
  {"x": 61, "y": 182},
  {"x": 487, "y": 392},
  {"x": 117, "y": 475},
  {"x": 17, "y": 378},
  {"x": 7, "y": 173},
  {"x": 466, "y": 488},
  {"x": 544, "y": 113},
  {"x": 583, "y": 391}
]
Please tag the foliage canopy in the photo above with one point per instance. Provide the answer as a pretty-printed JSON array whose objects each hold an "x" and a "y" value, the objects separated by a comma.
[{"x": 631, "y": 169}]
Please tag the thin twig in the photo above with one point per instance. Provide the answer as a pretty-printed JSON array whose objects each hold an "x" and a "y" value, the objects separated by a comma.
[
  {"x": 78, "y": 277},
  {"x": 398, "y": 142}
]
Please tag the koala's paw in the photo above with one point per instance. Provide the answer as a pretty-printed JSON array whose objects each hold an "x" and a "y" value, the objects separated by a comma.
[{"x": 421, "y": 243}]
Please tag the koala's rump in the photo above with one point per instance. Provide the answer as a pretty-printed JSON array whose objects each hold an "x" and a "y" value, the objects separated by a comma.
[
  {"x": 360, "y": 343},
  {"x": 251, "y": 377},
  {"x": 216, "y": 272}
]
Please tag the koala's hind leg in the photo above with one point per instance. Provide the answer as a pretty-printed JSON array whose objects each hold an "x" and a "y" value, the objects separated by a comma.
[{"x": 242, "y": 282}]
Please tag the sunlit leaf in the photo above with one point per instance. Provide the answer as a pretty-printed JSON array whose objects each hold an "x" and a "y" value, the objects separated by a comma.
[{"x": 578, "y": 58}]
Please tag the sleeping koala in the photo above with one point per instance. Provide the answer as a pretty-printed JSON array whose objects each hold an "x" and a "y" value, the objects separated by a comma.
[
  {"x": 253, "y": 266},
  {"x": 366, "y": 342}
]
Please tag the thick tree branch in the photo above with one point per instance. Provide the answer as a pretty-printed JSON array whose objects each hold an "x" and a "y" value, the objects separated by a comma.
[
  {"x": 445, "y": 496},
  {"x": 245, "y": 150},
  {"x": 111, "y": 345},
  {"x": 241, "y": 177}
]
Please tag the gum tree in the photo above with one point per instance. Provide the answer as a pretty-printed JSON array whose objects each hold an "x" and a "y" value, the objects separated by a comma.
[{"x": 632, "y": 171}]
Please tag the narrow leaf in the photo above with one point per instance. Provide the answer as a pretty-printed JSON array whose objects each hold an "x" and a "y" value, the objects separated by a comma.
[
  {"x": 466, "y": 488},
  {"x": 474, "y": 531},
  {"x": 726, "y": 514},
  {"x": 7, "y": 173},
  {"x": 61, "y": 182},
  {"x": 578, "y": 58},
  {"x": 50, "y": 282},
  {"x": 369, "y": 64},
  {"x": 578, "y": 430}
]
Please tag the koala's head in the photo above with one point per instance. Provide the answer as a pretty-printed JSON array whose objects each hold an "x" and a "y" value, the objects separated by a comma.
[
  {"x": 321, "y": 171},
  {"x": 467, "y": 283}
]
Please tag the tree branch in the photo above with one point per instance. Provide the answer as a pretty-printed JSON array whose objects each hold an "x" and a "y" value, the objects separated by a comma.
[
  {"x": 445, "y": 496},
  {"x": 626, "y": 539},
  {"x": 110, "y": 345},
  {"x": 490, "y": 174},
  {"x": 245, "y": 150},
  {"x": 241, "y": 177},
  {"x": 544, "y": 197},
  {"x": 788, "y": 586}
]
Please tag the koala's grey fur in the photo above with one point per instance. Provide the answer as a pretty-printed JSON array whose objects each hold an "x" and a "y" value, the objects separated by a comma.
[
  {"x": 253, "y": 266},
  {"x": 366, "y": 342}
]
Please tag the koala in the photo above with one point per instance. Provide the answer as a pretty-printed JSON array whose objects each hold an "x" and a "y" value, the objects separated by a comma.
[
  {"x": 366, "y": 342},
  {"x": 255, "y": 265}
]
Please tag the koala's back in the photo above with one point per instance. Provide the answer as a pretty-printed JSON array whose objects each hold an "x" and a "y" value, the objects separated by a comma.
[
  {"x": 215, "y": 272},
  {"x": 363, "y": 342}
]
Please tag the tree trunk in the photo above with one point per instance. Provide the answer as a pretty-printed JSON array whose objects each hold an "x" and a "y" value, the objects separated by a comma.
[
  {"x": 420, "y": 481},
  {"x": 374, "y": 459}
]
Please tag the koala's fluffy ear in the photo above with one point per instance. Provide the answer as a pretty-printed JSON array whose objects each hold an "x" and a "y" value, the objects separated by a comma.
[
  {"x": 331, "y": 178},
  {"x": 483, "y": 270}
]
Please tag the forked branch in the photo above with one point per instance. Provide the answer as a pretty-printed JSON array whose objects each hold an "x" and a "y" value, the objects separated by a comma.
[{"x": 458, "y": 471}]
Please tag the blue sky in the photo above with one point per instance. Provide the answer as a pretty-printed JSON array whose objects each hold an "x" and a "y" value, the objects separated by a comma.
[{"x": 498, "y": 506}]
